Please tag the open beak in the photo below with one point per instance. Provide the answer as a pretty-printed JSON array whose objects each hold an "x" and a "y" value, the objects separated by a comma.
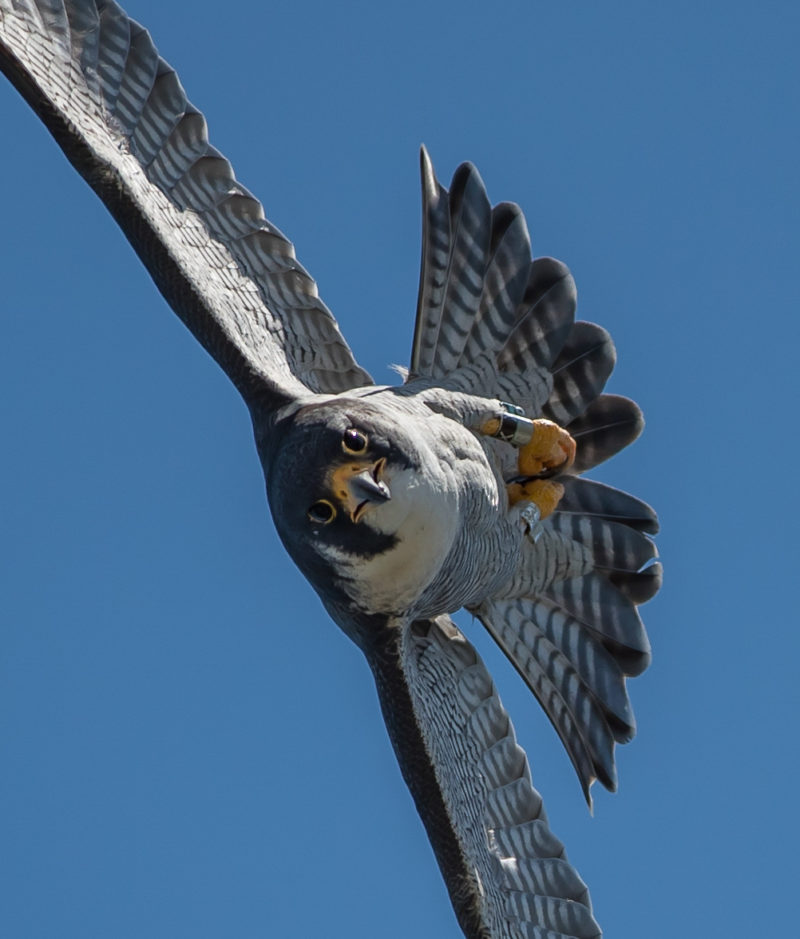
[{"x": 366, "y": 489}]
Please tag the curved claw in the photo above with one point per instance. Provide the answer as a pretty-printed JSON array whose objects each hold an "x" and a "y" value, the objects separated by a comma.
[{"x": 551, "y": 450}]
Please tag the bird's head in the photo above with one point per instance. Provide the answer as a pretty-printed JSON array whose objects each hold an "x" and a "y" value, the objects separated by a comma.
[{"x": 353, "y": 503}]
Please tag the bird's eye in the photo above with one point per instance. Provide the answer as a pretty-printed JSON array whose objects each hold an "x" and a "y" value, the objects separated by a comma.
[
  {"x": 322, "y": 512},
  {"x": 354, "y": 441}
]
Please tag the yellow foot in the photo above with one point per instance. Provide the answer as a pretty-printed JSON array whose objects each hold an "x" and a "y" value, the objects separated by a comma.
[
  {"x": 544, "y": 493},
  {"x": 550, "y": 450}
]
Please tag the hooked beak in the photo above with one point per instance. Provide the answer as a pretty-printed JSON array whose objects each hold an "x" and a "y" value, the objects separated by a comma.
[{"x": 366, "y": 489}]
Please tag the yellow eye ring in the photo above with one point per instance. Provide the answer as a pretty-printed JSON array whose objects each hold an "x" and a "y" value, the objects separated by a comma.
[
  {"x": 354, "y": 441},
  {"x": 322, "y": 512}
]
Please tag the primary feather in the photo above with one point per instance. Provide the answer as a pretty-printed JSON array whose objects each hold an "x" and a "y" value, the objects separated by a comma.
[{"x": 123, "y": 119}]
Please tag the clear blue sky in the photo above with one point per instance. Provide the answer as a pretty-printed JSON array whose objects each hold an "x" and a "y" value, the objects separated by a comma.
[{"x": 189, "y": 747}]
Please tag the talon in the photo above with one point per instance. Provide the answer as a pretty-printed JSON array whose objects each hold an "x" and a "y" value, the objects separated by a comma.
[
  {"x": 551, "y": 449},
  {"x": 544, "y": 493}
]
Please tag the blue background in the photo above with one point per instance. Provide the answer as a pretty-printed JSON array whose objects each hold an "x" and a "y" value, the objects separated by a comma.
[{"x": 189, "y": 746}]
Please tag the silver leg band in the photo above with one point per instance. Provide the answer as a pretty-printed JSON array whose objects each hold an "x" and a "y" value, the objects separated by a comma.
[
  {"x": 532, "y": 516},
  {"x": 515, "y": 429}
]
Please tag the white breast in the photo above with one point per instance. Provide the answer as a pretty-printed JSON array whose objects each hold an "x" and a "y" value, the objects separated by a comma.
[{"x": 423, "y": 516}]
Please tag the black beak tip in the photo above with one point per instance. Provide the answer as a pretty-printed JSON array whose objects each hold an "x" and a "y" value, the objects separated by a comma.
[{"x": 367, "y": 489}]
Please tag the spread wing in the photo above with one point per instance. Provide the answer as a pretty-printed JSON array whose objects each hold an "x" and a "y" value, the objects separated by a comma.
[
  {"x": 122, "y": 118},
  {"x": 490, "y": 321},
  {"x": 507, "y": 874}
]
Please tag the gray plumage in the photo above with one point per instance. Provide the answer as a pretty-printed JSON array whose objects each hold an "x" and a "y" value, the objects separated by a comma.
[{"x": 396, "y": 502}]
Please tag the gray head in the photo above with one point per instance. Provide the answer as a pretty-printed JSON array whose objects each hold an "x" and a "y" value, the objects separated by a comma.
[
  {"x": 362, "y": 503},
  {"x": 330, "y": 487}
]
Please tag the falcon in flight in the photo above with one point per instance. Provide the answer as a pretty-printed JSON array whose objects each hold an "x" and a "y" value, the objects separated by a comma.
[{"x": 461, "y": 487}]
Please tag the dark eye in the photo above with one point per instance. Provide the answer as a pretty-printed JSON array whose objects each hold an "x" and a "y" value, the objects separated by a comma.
[
  {"x": 322, "y": 512},
  {"x": 354, "y": 441}
]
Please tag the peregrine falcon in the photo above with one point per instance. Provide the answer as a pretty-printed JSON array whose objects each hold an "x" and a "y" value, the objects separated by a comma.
[{"x": 460, "y": 487}]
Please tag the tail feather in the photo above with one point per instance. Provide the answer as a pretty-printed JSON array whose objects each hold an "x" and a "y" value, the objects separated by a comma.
[
  {"x": 614, "y": 546},
  {"x": 470, "y": 233},
  {"x": 606, "y": 426},
  {"x": 641, "y": 586},
  {"x": 447, "y": 312},
  {"x": 433, "y": 268},
  {"x": 607, "y": 612},
  {"x": 589, "y": 497},
  {"x": 580, "y": 372},
  {"x": 596, "y": 666},
  {"x": 475, "y": 270},
  {"x": 492, "y": 322},
  {"x": 576, "y": 713},
  {"x": 504, "y": 282},
  {"x": 544, "y": 319}
]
